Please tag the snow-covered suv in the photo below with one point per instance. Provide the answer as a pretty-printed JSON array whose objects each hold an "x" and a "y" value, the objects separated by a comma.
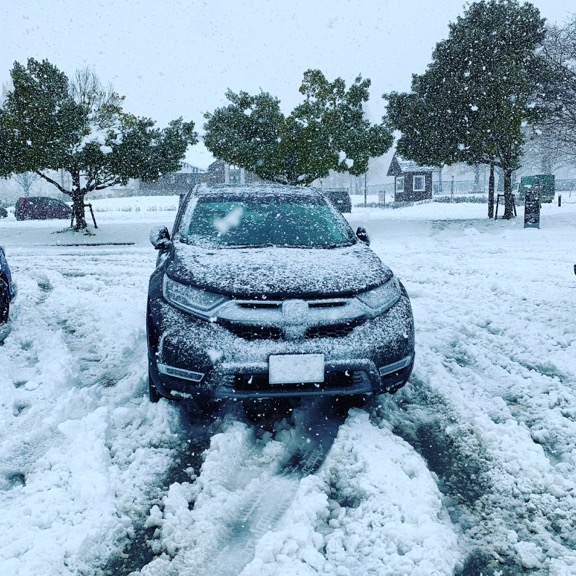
[
  {"x": 266, "y": 292},
  {"x": 7, "y": 289}
]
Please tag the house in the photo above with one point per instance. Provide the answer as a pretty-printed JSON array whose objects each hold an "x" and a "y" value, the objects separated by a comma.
[
  {"x": 412, "y": 182},
  {"x": 220, "y": 172},
  {"x": 174, "y": 183}
]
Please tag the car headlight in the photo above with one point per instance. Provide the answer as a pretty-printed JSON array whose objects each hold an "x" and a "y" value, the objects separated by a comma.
[
  {"x": 191, "y": 299},
  {"x": 383, "y": 297}
]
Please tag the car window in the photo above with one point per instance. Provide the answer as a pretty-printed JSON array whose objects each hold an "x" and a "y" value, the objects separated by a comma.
[{"x": 297, "y": 222}]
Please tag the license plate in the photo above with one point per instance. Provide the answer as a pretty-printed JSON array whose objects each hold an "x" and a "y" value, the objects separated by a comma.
[{"x": 296, "y": 368}]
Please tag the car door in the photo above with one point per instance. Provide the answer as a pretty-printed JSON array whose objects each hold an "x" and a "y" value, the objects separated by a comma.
[{"x": 53, "y": 208}]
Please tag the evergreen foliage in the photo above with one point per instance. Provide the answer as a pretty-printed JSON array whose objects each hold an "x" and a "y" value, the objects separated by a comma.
[
  {"x": 48, "y": 123},
  {"x": 479, "y": 92},
  {"x": 327, "y": 131}
]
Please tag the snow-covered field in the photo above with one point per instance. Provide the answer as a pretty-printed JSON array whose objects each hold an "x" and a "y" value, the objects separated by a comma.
[{"x": 469, "y": 470}]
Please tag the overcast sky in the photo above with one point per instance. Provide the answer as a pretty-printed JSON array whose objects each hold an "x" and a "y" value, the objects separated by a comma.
[{"x": 178, "y": 58}]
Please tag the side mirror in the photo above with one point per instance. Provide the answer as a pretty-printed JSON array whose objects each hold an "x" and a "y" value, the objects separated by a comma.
[
  {"x": 363, "y": 235},
  {"x": 160, "y": 237}
]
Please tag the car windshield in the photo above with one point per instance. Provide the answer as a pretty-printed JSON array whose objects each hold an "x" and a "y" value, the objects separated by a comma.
[{"x": 266, "y": 220}]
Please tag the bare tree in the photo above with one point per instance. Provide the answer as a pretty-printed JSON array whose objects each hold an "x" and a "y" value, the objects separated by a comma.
[
  {"x": 87, "y": 89},
  {"x": 25, "y": 180},
  {"x": 555, "y": 135}
]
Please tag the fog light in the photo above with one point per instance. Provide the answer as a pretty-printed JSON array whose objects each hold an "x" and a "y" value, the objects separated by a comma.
[
  {"x": 390, "y": 368},
  {"x": 180, "y": 373}
]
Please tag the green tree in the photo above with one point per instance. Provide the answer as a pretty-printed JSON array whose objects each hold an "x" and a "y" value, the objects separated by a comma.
[
  {"x": 327, "y": 131},
  {"x": 48, "y": 123},
  {"x": 478, "y": 94}
]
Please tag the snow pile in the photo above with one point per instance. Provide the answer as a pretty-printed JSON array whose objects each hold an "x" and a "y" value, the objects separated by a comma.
[{"x": 471, "y": 468}]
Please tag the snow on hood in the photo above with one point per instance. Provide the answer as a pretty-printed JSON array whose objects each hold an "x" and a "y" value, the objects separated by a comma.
[{"x": 273, "y": 271}]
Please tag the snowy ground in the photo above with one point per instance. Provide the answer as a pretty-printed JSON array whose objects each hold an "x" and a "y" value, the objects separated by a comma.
[{"x": 469, "y": 470}]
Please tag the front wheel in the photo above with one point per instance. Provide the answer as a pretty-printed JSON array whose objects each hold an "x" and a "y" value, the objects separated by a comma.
[{"x": 4, "y": 301}]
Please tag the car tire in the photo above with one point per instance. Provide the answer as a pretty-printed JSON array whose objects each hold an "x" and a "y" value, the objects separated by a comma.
[
  {"x": 4, "y": 301},
  {"x": 153, "y": 393}
]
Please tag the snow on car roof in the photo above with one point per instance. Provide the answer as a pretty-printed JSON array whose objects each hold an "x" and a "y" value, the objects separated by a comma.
[{"x": 256, "y": 189}]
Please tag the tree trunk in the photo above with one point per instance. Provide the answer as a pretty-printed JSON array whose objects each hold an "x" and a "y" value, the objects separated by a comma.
[
  {"x": 440, "y": 186},
  {"x": 508, "y": 198},
  {"x": 477, "y": 187},
  {"x": 491, "y": 191},
  {"x": 78, "y": 210},
  {"x": 500, "y": 182}
]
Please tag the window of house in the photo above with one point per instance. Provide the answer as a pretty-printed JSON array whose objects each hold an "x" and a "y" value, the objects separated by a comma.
[
  {"x": 400, "y": 184},
  {"x": 419, "y": 184}
]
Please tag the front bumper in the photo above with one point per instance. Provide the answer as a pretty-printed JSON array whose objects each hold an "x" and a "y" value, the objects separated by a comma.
[{"x": 192, "y": 358}]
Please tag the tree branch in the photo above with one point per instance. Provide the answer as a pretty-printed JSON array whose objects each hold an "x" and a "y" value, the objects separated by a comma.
[{"x": 53, "y": 182}]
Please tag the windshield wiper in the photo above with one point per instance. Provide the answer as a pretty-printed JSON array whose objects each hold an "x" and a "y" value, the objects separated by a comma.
[{"x": 267, "y": 245}]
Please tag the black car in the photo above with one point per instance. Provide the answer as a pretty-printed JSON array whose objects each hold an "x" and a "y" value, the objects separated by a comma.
[
  {"x": 340, "y": 198},
  {"x": 7, "y": 288},
  {"x": 41, "y": 208},
  {"x": 266, "y": 292}
]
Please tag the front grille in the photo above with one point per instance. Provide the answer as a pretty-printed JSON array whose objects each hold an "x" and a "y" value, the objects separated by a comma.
[
  {"x": 259, "y": 382},
  {"x": 326, "y": 303},
  {"x": 332, "y": 331},
  {"x": 258, "y": 305},
  {"x": 274, "y": 333},
  {"x": 276, "y": 320},
  {"x": 249, "y": 332}
]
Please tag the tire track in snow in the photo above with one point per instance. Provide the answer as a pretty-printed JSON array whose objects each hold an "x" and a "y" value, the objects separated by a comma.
[
  {"x": 73, "y": 392},
  {"x": 304, "y": 494},
  {"x": 137, "y": 551},
  {"x": 541, "y": 398},
  {"x": 510, "y": 522},
  {"x": 264, "y": 505},
  {"x": 474, "y": 402},
  {"x": 260, "y": 493},
  {"x": 67, "y": 342}
]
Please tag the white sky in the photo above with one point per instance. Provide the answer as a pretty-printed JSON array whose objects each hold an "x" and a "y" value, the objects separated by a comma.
[{"x": 178, "y": 58}]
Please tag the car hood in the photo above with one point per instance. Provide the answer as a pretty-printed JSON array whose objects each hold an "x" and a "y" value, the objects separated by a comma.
[{"x": 278, "y": 272}]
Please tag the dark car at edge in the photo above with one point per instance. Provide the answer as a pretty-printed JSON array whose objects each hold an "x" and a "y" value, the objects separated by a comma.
[
  {"x": 7, "y": 288},
  {"x": 265, "y": 292},
  {"x": 340, "y": 198},
  {"x": 41, "y": 208}
]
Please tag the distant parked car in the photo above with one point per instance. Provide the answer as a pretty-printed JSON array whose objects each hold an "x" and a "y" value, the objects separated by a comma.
[
  {"x": 3, "y": 212},
  {"x": 340, "y": 199},
  {"x": 7, "y": 289},
  {"x": 266, "y": 292},
  {"x": 41, "y": 208}
]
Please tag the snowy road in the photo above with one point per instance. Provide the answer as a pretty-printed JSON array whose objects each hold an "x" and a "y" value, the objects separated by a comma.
[{"x": 470, "y": 469}]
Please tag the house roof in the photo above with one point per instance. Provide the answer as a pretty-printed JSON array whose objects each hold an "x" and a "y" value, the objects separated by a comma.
[{"x": 399, "y": 166}]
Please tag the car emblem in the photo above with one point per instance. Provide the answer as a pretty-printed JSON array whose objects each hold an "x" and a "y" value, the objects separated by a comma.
[{"x": 295, "y": 316}]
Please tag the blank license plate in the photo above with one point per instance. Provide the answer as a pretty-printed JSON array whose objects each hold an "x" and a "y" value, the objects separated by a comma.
[{"x": 296, "y": 368}]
